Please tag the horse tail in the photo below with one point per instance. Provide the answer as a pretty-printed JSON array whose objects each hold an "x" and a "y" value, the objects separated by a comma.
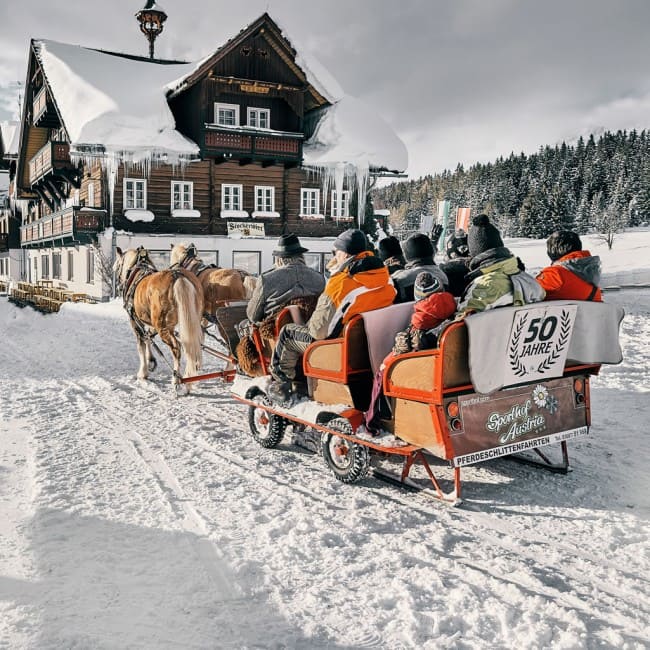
[
  {"x": 250, "y": 282},
  {"x": 190, "y": 308}
]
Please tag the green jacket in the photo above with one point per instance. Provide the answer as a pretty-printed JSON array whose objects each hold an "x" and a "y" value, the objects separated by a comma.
[{"x": 499, "y": 283}]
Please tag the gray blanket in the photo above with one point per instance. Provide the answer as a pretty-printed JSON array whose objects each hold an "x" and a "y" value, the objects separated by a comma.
[
  {"x": 593, "y": 339},
  {"x": 381, "y": 326}
]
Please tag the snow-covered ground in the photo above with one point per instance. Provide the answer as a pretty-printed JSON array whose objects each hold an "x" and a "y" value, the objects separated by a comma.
[{"x": 131, "y": 519}]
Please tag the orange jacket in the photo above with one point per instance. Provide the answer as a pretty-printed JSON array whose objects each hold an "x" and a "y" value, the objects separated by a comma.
[
  {"x": 362, "y": 285},
  {"x": 572, "y": 277}
]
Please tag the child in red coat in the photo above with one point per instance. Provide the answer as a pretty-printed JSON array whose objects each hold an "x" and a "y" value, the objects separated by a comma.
[{"x": 433, "y": 306}]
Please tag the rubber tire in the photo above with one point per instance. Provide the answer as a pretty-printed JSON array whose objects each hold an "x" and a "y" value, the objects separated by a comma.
[
  {"x": 271, "y": 435},
  {"x": 357, "y": 457}
]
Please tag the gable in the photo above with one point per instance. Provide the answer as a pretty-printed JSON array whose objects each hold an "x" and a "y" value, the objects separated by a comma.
[
  {"x": 260, "y": 53},
  {"x": 257, "y": 58}
]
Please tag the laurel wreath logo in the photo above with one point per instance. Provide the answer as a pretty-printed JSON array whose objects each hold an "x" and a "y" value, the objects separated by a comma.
[
  {"x": 519, "y": 369},
  {"x": 562, "y": 339},
  {"x": 517, "y": 366}
]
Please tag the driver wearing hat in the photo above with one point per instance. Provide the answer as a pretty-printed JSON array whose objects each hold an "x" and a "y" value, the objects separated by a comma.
[{"x": 290, "y": 279}]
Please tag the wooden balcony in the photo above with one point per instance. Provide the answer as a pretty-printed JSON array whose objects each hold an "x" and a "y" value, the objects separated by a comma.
[
  {"x": 246, "y": 143},
  {"x": 44, "y": 113},
  {"x": 71, "y": 225},
  {"x": 53, "y": 158},
  {"x": 4, "y": 242}
]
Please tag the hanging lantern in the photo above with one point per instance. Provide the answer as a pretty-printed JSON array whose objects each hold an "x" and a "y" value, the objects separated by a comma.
[{"x": 151, "y": 19}]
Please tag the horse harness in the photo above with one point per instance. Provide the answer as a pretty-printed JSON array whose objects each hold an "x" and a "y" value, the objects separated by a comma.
[
  {"x": 192, "y": 264},
  {"x": 136, "y": 274}
]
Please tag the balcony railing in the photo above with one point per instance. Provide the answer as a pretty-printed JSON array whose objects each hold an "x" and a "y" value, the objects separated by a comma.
[
  {"x": 4, "y": 242},
  {"x": 255, "y": 144},
  {"x": 43, "y": 110},
  {"x": 72, "y": 224},
  {"x": 52, "y": 157}
]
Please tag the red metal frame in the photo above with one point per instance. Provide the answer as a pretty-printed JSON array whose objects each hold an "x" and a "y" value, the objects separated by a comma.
[{"x": 411, "y": 453}]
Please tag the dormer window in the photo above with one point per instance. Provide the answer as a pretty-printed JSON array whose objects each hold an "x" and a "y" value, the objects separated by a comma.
[
  {"x": 226, "y": 114},
  {"x": 259, "y": 118}
]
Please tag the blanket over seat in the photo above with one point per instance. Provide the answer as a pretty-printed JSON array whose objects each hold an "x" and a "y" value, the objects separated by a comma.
[
  {"x": 593, "y": 339},
  {"x": 381, "y": 327}
]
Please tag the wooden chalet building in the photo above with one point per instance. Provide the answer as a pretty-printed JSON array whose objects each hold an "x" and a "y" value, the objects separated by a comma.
[
  {"x": 229, "y": 153},
  {"x": 10, "y": 251}
]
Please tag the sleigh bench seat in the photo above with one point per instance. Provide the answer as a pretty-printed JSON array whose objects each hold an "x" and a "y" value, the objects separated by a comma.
[{"x": 341, "y": 370}]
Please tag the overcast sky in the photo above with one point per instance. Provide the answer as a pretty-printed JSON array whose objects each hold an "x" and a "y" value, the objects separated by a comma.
[{"x": 459, "y": 80}]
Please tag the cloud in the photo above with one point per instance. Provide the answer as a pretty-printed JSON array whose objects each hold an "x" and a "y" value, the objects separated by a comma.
[{"x": 459, "y": 81}]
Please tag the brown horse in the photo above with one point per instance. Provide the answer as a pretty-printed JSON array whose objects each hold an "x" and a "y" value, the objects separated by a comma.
[
  {"x": 220, "y": 286},
  {"x": 158, "y": 302}
]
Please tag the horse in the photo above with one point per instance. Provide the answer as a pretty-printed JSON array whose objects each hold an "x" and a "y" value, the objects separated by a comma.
[
  {"x": 220, "y": 286},
  {"x": 158, "y": 302}
]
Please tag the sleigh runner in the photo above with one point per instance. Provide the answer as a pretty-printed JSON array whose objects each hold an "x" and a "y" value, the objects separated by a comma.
[{"x": 500, "y": 383}]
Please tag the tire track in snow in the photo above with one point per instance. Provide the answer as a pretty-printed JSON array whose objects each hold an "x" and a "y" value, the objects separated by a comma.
[{"x": 495, "y": 537}]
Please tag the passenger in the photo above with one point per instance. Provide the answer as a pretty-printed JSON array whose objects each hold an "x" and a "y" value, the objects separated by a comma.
[
  {"x": 359, "y": 282},
  {"x": 290, "y": 282},
  {"x": 290, "y": 279},
  {"x": 418, "y": 251},
  {"x": 433, "y": 305},
  {"x": 390, "y": 253},
  {"x": 495, "y": 276},
  {"x": 456, "y": 267},
  {"x": 574, "y": 274}
]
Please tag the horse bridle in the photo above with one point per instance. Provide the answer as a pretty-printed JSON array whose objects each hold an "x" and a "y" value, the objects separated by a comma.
[{"x": 140, "y": 270}]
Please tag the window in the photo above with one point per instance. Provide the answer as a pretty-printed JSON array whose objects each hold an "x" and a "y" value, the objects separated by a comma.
[
  {"x": 259, "y": 118},
  {"x": 90, "y": 266},
  {"x": 70, "y": 265},
  {"x": 247, "y": 261},
  {"x": 264, "y": 198},
  {"x": 309, "y": 202},
  {"x": 314, "y": 261},
  {"x": 56, "y": 266},
  {"x": 35, "y": 270},
  {"x": 182, "y": 195},
  {"x": 135, "y": 194},
  {"x": 90, "y": 201},
  {"x": 226, "y": 114},
  {"x": 231, "y": 197},
  {"x": 340, "y": 204},
  {"x": 45, "y": 267}
]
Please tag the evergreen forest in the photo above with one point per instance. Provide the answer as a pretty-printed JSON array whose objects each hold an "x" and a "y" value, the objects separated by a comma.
[{"x": 601, "y": 185}]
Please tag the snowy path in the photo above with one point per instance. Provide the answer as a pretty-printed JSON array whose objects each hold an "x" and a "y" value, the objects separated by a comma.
[{"x": 133, "y": 519}]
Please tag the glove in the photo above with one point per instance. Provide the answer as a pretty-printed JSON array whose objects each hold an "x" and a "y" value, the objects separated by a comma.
[
  {"x": 402, "y": 342},
  {"x": 435, "y": 234}
]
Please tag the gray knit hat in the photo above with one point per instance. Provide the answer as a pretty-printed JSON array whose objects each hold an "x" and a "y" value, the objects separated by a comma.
[{"x": 352, "y": 241}]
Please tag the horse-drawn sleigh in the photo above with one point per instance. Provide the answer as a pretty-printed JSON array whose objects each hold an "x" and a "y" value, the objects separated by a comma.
[{"x": 502, "y": 382}]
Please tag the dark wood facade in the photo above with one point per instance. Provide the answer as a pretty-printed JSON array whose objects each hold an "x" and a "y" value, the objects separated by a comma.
[{"x": 255, "y": 70}]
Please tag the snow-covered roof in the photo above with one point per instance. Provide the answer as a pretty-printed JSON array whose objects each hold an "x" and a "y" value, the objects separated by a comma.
[
  {"x": 120, "y": 104},
  {"x": 351, "y": 132},
  {"x": 10, "y": 132},
  {"x": 115, "y": 102}
]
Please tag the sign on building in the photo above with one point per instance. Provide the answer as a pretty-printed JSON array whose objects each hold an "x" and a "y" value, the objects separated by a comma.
[{"x": 238, "y": 229}]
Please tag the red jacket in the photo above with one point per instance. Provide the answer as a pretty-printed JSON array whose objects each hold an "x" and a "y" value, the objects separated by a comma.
[
  {"x": 432, "y": 310},
  {"x": 572, "y": 277}
]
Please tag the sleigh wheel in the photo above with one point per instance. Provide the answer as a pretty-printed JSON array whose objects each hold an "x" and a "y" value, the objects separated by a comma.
[
  {"x": 348, "y": 461},
  {"x": 266, "y": 428}
]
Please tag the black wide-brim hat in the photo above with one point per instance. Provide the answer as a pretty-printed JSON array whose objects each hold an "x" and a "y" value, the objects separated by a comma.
[{"x": 288, "y": 246}]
